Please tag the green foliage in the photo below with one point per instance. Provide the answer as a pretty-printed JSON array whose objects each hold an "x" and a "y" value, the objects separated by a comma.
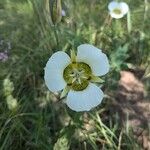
[{"x": 119, "y": 56}]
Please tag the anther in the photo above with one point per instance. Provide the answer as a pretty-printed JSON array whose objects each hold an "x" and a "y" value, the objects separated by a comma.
[
  {"x": 74, "y": 79},
  {"x": 89, "y": 78}
]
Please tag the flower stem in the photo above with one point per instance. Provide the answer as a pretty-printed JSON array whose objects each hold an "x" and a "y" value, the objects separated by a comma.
[
  {"x": 129, "y": 25},
  {"x": 56, "y": 35},
  {"x": 107, "y": 23}
]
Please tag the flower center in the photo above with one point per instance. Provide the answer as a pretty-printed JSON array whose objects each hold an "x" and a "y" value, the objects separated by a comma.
[
  {"x": 77, "y": 75},
  {"x": 117, "y": 11}
]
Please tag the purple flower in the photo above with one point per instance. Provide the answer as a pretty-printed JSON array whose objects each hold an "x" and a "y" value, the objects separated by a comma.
[
  {"x": 3, "y": 56},
  {"x": 63, "y": 13},
  {"x": 5, "y": 47}
]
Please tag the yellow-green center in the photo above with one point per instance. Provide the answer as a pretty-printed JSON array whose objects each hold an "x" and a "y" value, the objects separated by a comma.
[
  {"x": 77, "y": 75},
  {"x": 117, "y": 11}
]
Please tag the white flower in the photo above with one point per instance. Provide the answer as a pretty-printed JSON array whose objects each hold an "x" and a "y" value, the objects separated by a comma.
[
  {"x": 118, "y": 9},
  {"x": 76, "y": 75}
]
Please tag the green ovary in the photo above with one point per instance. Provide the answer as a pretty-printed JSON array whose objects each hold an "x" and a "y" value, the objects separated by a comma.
[{"x": 77, "y": 75}]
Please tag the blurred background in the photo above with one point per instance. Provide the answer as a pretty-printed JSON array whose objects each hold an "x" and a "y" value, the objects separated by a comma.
[{"x": 33, "y": 118}]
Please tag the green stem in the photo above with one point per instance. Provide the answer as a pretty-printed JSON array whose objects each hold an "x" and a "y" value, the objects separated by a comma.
[
  {"x": 56, "y": 36},
  {"x": 129, "y": 25},
  {"x": 106, "y": 23}
]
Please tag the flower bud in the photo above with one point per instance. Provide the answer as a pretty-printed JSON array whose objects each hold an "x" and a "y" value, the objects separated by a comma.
[{"x": 55, "y": 11}]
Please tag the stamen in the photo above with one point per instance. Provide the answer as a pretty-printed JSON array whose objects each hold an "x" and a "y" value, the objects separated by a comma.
[
  {"x": 71, "y": 75},
  {"x": 89, "y": 78},
  {"x": 79, "y": 80},
  {"x": 83, "y": 77},
  {"x": 74, "y": 79}
]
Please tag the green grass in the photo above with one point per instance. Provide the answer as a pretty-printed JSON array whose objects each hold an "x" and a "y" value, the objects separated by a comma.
[{"x": 33, "y": 118}]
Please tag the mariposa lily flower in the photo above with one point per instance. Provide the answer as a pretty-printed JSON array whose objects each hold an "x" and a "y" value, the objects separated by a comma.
[
  {"x": 76, "y": 76},
  {"x": 118, "y": 9}
]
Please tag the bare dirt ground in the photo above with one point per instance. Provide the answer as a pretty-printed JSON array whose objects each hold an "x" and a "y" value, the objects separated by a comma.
[{"x": 133, "y": 108}]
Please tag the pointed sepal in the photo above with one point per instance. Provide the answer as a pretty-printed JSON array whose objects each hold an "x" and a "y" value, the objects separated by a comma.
[
  {"x": 96, "y": 79},
  {"x": 64, "y": 92}
]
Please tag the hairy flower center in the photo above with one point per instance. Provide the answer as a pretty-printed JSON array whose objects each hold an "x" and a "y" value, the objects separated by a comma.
[
  {"x": 117, "y": 11},
  {"x": 77, "y": 75}
]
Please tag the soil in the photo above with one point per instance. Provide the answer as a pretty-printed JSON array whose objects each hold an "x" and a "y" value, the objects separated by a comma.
[{"x": 132, "y": 106}]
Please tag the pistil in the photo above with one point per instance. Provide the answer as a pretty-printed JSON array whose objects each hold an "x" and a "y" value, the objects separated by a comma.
[{"x": 76, "y": 75}]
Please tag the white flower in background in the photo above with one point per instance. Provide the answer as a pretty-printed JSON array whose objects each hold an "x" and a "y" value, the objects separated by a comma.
[
  {"x": 76, "y": 76},
  {"x": 118, "y": 9}
]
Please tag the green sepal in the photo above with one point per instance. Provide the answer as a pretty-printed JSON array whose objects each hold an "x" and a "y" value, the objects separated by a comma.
[
  {"x": 96, "y": 79},
  {"x": 64, "y": 92},
  {"x": 73, "y": 56}
]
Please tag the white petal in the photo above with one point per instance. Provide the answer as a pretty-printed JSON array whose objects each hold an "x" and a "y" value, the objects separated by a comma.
[
  {"x": 116, "y": 16},
  {"x": 86, "y": 99},
  {"x": 94, "y": 57},
  {"x": 124, "y": 7},
  {"x": 54, "y": 71},
  {"x": 112, "y": 5}
]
